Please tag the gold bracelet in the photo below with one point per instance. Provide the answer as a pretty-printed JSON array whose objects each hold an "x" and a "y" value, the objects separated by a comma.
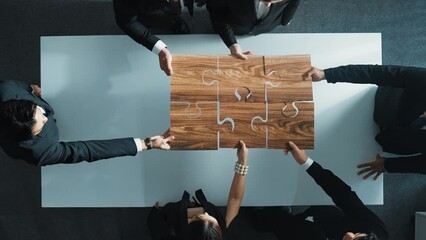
[{"x": 241, "y": 169}]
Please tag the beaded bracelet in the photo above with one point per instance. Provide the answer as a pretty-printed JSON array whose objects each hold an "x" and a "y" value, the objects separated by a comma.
[{"x": 241, "y": 169}]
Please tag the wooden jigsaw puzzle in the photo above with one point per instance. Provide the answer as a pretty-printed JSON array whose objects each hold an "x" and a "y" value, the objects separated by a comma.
[{"x": 216, "y": 100}]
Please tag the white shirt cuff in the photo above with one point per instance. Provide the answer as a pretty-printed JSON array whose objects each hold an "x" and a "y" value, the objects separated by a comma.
[
  {"x": 308, "y": 163},
  {"x": 138, "y": 144},
  {"x": 159, "y": 45}
]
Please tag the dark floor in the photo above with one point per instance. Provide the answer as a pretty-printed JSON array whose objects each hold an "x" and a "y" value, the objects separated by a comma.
[{"x": 23, "y": 22}]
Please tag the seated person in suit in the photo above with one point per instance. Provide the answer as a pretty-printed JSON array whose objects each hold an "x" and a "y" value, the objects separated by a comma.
[
  {"x": 137, "y": 17},
  {"x": 351, "y": 220},
  {"x": 28, "y": 131},
  {"x": 239, "y": 17},
  {"x": 400, "y": 112},
  {"x": 202, "y": 220}
]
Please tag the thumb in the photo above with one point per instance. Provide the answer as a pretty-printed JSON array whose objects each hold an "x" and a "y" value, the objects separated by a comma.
[
  {"x": 241, "y": 56},
  {"x": 170, "y": 138},
  {"x": 293, "y": 146},
  {"x": 308, "y": 74}
]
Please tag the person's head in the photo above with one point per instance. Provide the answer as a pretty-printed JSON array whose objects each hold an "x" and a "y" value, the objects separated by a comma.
[
  {"x": 204, "y": 227},
  {"x": 360, "y": 236},
  {"x": 20, "y": 119}
]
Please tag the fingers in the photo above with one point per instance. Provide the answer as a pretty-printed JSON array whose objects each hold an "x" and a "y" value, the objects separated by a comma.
[
  {"x": 166, "y": 61},
  {"x": 166, "y": 133},
  {"x": 169, "y": 139},
  {"x": 240, "y": 56},
  {"x": 241, "y": 145},
  {"x": 369, "y": 174},
  {"x": 167, "y": 68},
  {"x": 308, "y": 75},
  {"x": 363, "y": 171},
  {"x": 363, "y": 165},
  {"x": 285, "y": 151},
  {"x": 377, "y": 175},
  {"x": 293, "y": 146}
]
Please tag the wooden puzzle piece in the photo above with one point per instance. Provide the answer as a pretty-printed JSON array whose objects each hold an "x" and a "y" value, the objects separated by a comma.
[
  {"x": 237, "y": 75},
  {"x": 194, "y": 129},
  {"x": 286, "y": 123},
  {"x": 288, "y": 71},
  {"x": 187, "y": 83},
  {"x": 242, "y": 113}
]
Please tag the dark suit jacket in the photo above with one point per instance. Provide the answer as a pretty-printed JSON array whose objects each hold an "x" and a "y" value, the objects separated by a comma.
[
  {"x": 45, "y": 148},
  {"x": 400, "y": 100},
  {"x": 356, "y": 216},
  {"x": 238, "y": 17},
  {"x": 127, "y": 16}
]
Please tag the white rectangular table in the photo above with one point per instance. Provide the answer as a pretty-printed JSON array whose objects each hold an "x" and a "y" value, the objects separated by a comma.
[{"x": 109, "y": 86}]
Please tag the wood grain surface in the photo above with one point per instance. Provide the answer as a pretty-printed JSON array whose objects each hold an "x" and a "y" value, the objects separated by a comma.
[{"x": 206, "y": 89}]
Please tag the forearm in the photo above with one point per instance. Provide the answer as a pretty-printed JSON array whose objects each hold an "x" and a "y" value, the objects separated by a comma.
[
  {"x": 402, "y": 140},
  {"x": 218, "y": 11},
  {"x": 126, "y": 16},
  {"x": 333, "y": 186},
  {"x": 74, "y": 152},
  {"x": 413, "y": 164},
  {"x": 138, "y": 32},
  {"x": 392, "y": 76},
  {"x": 236, "y": 193},
  {"x": 351, "y": 73},
  {"x": 226, "y": 33}
]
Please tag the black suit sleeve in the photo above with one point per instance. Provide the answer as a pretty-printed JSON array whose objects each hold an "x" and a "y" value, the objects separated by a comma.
[
  {"x": 347, "y": 200},
  {"x": 340, "y": 192},
  {"x": 413, "y": 164},
  {"x": 126, "y": 16},
  {"x": 412, "y": 80},
  {"x": 218, "y": 10},
  {"x": 289, "y": 11},
  {"x": 74, "y": 152},
  {"x": 402, "y": 140},
  {"x": 392, "y": 76}
]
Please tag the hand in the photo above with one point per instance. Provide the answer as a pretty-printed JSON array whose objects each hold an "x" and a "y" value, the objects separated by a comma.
[
  {"x": 163, "y": 141},
  {"x": 165, "y": 59},
  {"x": 242, "y": 152},
  {"x": 236, "y": 52},
  {"x": 375, "y": 167},
  {"x": 37, "y": 90},
  {"x": 315, "y": 73},
  {"x": 298, "y": 155}
]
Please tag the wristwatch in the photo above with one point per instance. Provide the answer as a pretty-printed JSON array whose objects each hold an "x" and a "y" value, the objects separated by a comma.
[{"x": 148, "y": 143}]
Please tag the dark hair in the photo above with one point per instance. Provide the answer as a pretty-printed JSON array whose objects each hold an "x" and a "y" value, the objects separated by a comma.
[
  {"x": 370, "y": 236},
  {"x": 204, "y": 230},
  {"x": 17, "y": 119}
]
